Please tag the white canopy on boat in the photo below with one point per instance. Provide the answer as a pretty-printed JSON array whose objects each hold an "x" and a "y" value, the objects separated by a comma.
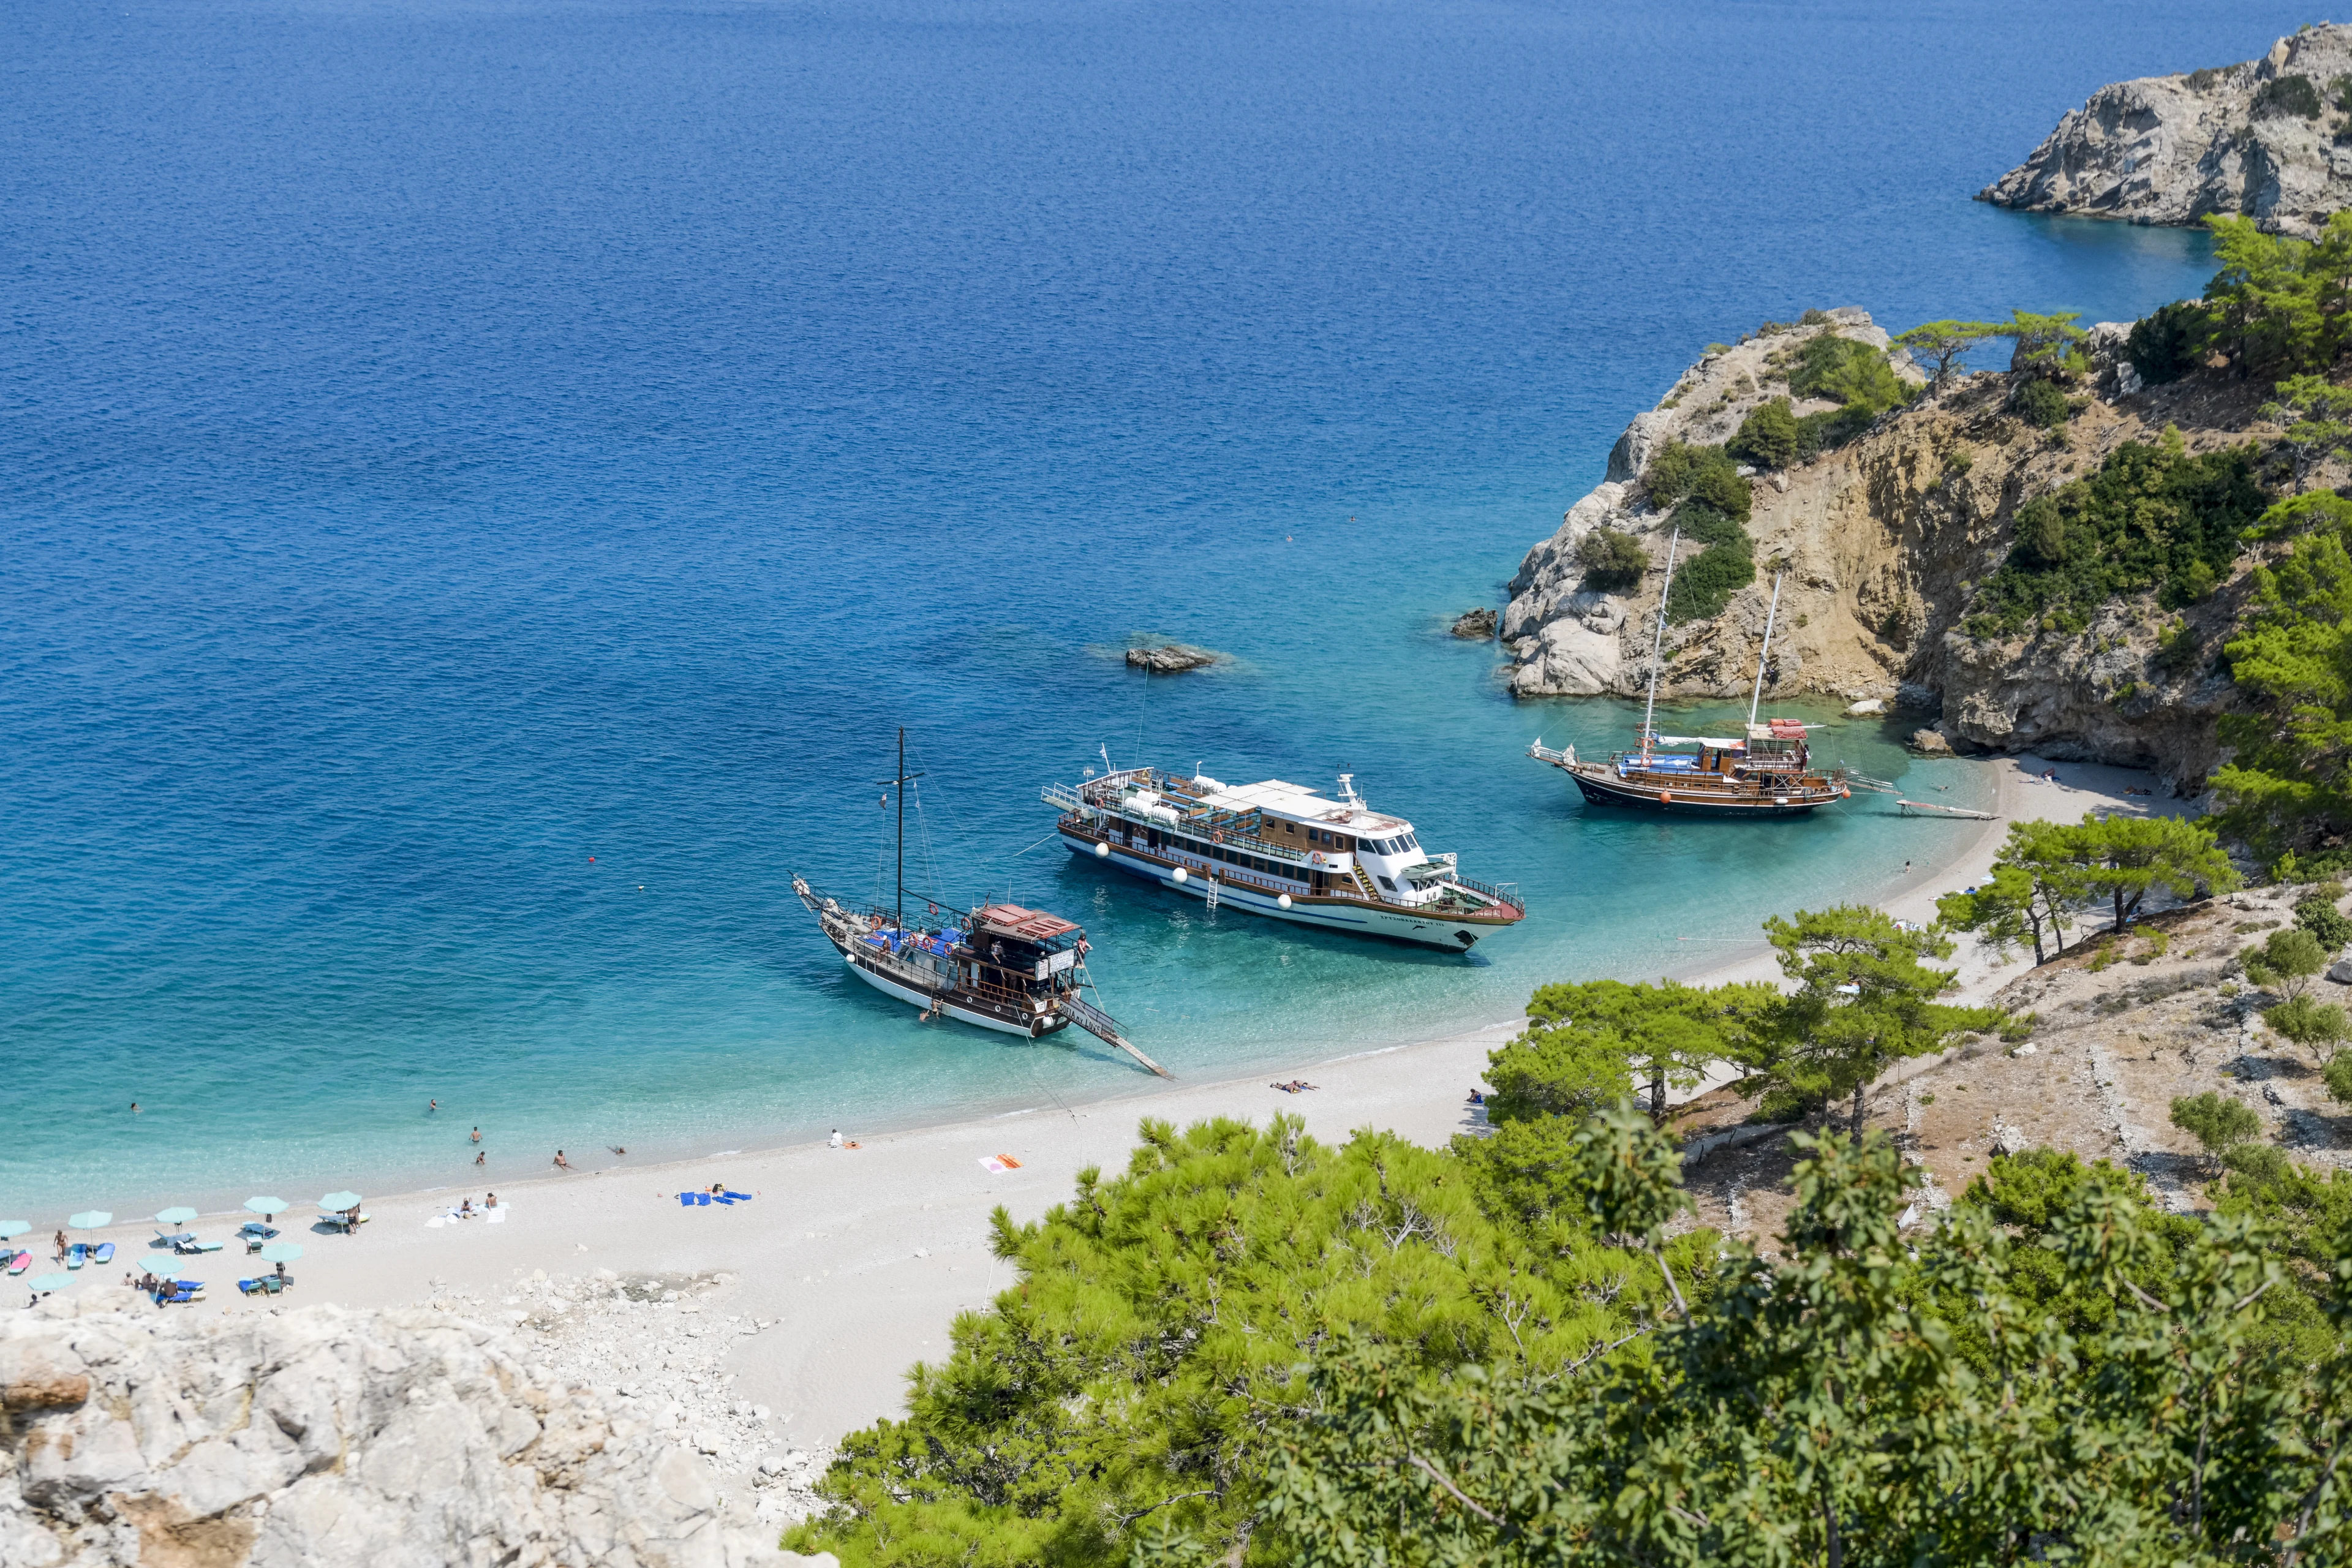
[{"x": 1701, "y": 740}]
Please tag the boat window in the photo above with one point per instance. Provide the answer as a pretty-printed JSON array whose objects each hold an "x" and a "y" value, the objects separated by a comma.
[
  {"x": 1392, "y": 887},
  {"x": 1410, "y": 841}
]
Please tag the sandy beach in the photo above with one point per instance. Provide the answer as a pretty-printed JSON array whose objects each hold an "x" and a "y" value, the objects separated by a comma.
[{"x": 857, "y": 1260}]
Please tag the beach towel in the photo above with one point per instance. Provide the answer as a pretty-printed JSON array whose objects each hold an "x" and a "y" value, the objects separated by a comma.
[
  {"x": 497, "y": 1216},
  {"x": 739, "y": 1198},
  {"x": 997, "y": 1165}
]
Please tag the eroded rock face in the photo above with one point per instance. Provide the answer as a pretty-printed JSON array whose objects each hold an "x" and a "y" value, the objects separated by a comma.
[
  {"x": 323, "y": 1435},
  {"x": 2173, "y": 148}
]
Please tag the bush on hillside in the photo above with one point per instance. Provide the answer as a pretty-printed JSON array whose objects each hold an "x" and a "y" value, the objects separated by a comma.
[
  {"x": 1846, "y": 372},
  {"x": 2167, "y": 343},
  {"x": 1724, "y": 563},
  {"x": 1708, "y": 475},
  {"x": 2039, "y": 402},
  {"x": 2318, "y": 913},
  {"x": 2152, "y": 519},
  {"x": 2285, "y": 97},
  {"x": 1768, "y": 438},
  {"x": 1611, "y": 559}
]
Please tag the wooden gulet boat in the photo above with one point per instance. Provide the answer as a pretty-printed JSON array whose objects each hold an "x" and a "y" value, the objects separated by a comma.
[
  {"x": 1284, "y": 851},
  {"x": 1003, "y": 967},
  {"x": 1769, "y": 772}
]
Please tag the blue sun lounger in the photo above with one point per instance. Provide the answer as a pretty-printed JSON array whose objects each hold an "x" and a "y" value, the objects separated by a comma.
[{"x": 102, "y": 1253}]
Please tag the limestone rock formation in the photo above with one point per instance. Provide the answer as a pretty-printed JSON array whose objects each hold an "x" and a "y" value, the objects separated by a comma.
[
  {"x": 1883, "y": 541},
  {"x": 2230, "y": 140},
  {"x": 1473, "y": 626},
  {"x": 1171, "y": 659},
  {"x": 393, "y": 1439}
]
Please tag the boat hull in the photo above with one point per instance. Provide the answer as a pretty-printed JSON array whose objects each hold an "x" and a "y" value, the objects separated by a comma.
[
  {"x": 1358, "y": 919},
  {"x": 1607, "y": 789},
  {"x": 914, "y": 996}
]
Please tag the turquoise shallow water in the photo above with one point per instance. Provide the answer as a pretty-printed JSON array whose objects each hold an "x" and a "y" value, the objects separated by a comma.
[{"x": 480, "y": 483}]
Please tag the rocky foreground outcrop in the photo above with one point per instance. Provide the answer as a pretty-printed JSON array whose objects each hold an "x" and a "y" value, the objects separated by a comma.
[
  {"x": 383, "y": 1439},
  {"x": 1884, "y": 542},
  {"x": 2270, "y": 138}
]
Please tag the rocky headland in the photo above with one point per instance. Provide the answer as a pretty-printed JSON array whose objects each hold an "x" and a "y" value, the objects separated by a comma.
[
  {"x": 2270, "y": 138},
  {"x": 133, "y": 1435},
  {"x": 1884, "y": 541}
]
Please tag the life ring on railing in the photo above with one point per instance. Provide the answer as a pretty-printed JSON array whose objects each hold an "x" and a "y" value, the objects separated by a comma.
[
  {"x": 1216, "y": 837},
  {"x": 1317, "y": 857}
]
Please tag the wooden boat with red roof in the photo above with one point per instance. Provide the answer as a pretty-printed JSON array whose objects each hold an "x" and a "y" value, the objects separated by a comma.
[
  {"x": 1001, "y": 966},
  {"x": 1769, "y": 772}
]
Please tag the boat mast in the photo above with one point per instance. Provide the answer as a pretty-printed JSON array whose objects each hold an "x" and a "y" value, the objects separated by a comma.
[
  {"x": 900, "y": 783},
  {"x": 1766, "y": 652},
  {"x": 1658, "y": 647}
]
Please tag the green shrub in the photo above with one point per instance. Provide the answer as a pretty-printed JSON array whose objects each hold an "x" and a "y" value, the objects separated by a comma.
[
  {"x": 1768, "y": 438},
  {"x": 2319, "y": 1027},
  {"x": 2177, "y": 649},
  {"x": 1846, "y": 372},
  {"x": 2317, "y": 914},
  {"x": 2039, "y": 402},
  {"x": 2168, "y": 343},
  {"x": 2202, "y": 78},
  {"x": 2152, "y": 519},
  {"x": 2338, "y": 1075},
  {"x": 2287, "y": 96},
  {"x": 2216, "y": 1122},
  {"x": 1611, "y": 559},
  {"x": 1705, "y": 583},
  {"x": 2339, "y": 93},
  {"x": 1678, "y": 470}
]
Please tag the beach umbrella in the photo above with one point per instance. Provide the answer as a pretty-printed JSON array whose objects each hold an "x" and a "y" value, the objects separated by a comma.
[
  {"x": 91, "y": 1219},
  {"x": 9, "y": 1227},
  {"x": 281, "y": 1252},
  {"x": 340, "y": 1201},
  {"x": 181, "y": 1215},
  {"x": 267, "y": 1206},
  {"x": 45, "y": 1283}
]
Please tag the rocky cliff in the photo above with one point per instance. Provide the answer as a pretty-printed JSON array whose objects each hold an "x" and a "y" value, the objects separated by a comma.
[
  {"x": 317, "y": 1437},
  {"x": 2270, "y": 137},
  {"x": 1883, "y": 541}
]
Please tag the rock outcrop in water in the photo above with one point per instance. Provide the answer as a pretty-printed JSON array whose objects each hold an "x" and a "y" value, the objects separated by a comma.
[
  {"x": 1171, "y": 659},
  {"x": 385, "y": 1439},
  {"x": 1884, "y": 541},
  {"x": 2270, "y": 139},
  {"x": 1475, "y": 625}
]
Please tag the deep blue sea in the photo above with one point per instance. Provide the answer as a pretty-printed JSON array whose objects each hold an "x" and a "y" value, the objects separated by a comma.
[{"x": 481, "y": 484}]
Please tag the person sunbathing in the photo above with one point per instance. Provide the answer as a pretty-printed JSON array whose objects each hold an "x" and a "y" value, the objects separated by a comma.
[
  {"x": 560, "y": 1163},
  {"x": 466, "y": 1209}
]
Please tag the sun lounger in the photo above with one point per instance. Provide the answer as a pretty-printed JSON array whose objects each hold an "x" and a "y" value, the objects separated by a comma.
[
  {"x": 188, "y": 1246},
  {"x": 254, "y": 1287},
  {"x": 173, "y": 1237},
  {"x": 77, "y": 1253},
  {"x": 20, "y": 1262},
  {"x": 104, "y": 1254}
]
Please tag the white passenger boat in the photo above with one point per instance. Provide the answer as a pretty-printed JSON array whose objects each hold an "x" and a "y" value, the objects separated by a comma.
[{"x": 1282, "y": 850}]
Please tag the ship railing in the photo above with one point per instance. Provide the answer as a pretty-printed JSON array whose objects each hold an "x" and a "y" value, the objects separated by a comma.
[
  {"x": 1563, "y": 757},
  {"x": 1844, "y": 775},
  {"x": 1062, "y": 795},
  {"x": 1501, "y": 892}
]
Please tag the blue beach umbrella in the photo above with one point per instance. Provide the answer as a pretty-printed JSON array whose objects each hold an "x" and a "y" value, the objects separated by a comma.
[
  {"x": 181, "y": 1215},
  {"x": 91, "y": 1219},
  {"x": 281, "y": 1252},
  {"x": 340, "y": 1201},
  {"x": 9, "y": 1227},
  {"x": 42, "y": 1284},
  {"x": 267, "y": 1206}
]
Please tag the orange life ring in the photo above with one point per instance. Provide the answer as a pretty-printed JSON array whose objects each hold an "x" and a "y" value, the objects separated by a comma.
[{"x": 1316, "y": 858}]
